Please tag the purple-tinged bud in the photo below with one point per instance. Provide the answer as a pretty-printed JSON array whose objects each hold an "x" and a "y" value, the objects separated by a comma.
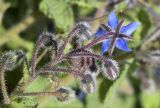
[
  {"x": 67, "y": 94},
  {"x": 111, "y": 69},
  {"x": 88, "y": 84}
]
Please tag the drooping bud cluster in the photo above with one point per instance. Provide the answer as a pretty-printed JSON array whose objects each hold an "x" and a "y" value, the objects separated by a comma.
[{"x": 81, "y": 60}]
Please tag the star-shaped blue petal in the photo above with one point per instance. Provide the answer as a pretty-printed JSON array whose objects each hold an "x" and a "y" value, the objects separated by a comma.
[
  {"x": 130, "y": 28},
  {"x": 112, "y": 20},
  {"x": 105, "y": 46},
  {"x": 100, "y": 32},
  {"x": 122, "y": 45}
]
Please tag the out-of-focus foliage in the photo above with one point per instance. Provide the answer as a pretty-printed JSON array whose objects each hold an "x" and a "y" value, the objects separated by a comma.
[
  {"x": 138, "y": 86},
  {"x": 58, "y": 11}
]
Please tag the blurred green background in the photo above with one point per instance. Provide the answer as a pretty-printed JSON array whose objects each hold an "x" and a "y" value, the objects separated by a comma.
[{"x": 138, "y": 86}]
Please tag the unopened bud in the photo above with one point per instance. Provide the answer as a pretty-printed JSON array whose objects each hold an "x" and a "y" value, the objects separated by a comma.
[
  {"x": 93, "y": 67},
  {"x": 88, "y": 84},
  {"x": 67, "y": 94},
  {"x": 111, "y": 69},
  {"x": 12, "y": 58},
  {"x": 48, "y": 40},
  {"x": 84, "y": 31}
]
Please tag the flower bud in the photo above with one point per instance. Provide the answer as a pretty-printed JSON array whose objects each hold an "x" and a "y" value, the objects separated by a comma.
[
  {"x": 48, "y": 40},
  {"x": 88, "y": 84},
  {"x": 66, "y": 94},
  {"x": 111, "y": 69},
  {"x": 84, "y": 31},
  {"x": 12, "y": 58},
  {"x": 93, "y": 67}
]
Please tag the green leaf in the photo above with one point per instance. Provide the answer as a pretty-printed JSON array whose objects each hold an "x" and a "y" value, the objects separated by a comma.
[
  {"x": 38, "y": 85},
  {"x": 59, "y": 11},
  {"x": 104, "y": 88}
]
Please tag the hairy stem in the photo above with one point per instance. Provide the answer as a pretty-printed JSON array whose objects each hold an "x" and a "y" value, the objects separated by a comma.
[
  {"x": 70, "y": 35},
  {"x": 39, "y": 44},
  {"x": 3, "y": 86},
  {"x": 54, "y": 70},
  {"x": 33, "y": 63},
  {"x": 85, "y": 53},
  {"x": 27, "y": 64},
  {"x": 42, "y": 94},
  {"x": 98, "y": 40}
]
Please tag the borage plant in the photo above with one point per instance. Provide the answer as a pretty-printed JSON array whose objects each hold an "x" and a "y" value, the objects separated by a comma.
[{"x": 81, "y": 59}]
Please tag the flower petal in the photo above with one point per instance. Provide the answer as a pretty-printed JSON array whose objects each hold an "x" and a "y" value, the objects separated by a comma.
[
  {"x": 130, "y": 28},
  {"x": 122, "y": 45},
  {"x": 100, "y": 32},
  {"x": 105, "y": 46},
  {"x": 112, "y": 20}
]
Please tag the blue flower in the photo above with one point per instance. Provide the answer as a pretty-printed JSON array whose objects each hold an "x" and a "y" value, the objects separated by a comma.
[
  {"x": 120, "y": 42},
  {"x": 80, "y": 95}
]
